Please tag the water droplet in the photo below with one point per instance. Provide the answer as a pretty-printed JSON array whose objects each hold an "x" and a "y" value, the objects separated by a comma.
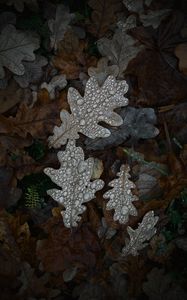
[
  {"x": 86, "y": 196},
  {"x": 82, "y": 122},
  {"x": 80, "y": 101}
]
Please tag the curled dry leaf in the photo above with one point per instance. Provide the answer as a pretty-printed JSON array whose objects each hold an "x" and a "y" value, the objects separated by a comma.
[
  {"x": 97, "y": 105},
  {"x": 16, "y": 46}
]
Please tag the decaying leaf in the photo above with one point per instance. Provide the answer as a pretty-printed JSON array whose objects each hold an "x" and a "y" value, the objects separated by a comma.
[
  {"x": 154, "y": 18},
  {"x": 165, "y": 40},
  {"x": 138, "y": 123},
  {"x": 74, "y": 178},
  {"x": 121, "y": 49},
  {"x": 70, "y": 58},
  {"x": 58, "y": 81},
  {"x": 121, "y": 197},
  {"x": 16, "y": 46},
  {"x": 103, "y": 70},
  {"x": 97, "y": 105},
  {"x": 59, "y": 25},
  {"x": 138, "y": 237},
  {"x": 33, "y": 72},
  {"x": 103, "y": 15}
]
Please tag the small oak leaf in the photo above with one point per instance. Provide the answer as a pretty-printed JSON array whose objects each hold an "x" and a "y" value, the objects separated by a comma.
[
  {"x": 121, "y": 197},
  {"x": 138, "y": 237}
]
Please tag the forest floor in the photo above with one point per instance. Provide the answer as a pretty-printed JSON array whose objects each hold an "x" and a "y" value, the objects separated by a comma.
[{"x": 51, "y": 53}]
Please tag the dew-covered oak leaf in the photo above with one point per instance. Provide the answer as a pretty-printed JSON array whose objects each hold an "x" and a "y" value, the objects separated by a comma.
[
  {"x": 16, "y": 46},
  {"x": 121, "y": 196},
  {"x": 73, "y": 177},
  {"x": 138, "y": 237},
  {"x": 95, "y": 106}
]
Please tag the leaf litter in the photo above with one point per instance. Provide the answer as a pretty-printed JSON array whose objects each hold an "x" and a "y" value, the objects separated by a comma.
[{"x": 102, "y": 88}]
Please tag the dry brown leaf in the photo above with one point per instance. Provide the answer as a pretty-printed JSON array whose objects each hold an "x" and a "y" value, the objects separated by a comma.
[
  {"x": 15, "y": 236},
  {"x": 155, "y": 83},
  {"x": 180, "y": 52},
  {"x": 72, "y": 58},
  {"x": 64, "y": 248},
  {"x": 37, "y": 121},
  {"x": 103, "y": 15}
]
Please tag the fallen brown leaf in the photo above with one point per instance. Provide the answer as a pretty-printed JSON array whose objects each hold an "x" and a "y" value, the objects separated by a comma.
[{"x": 103, "y": 16}]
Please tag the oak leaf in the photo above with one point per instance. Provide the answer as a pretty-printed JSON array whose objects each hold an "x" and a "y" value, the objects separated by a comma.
[
  {"x": 16, "y": 46},
  {"x": 121, "y": 196},
  {"x": 97, "y": 105},
  {"x": 103, "y": 16},
  {"x": 59, "y": 25},
  {"x": 122, "y": 48},
  {"x": 37, "y": 121},
  {"x": 73, "y": 177},
  {"x": 138, "y": 237}
]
